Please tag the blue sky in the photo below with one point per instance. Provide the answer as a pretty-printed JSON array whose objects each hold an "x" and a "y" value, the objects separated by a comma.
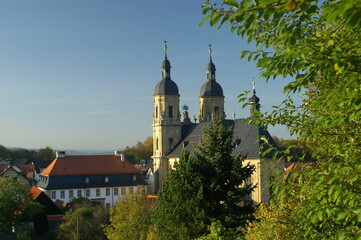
[{"x": 81, "y": 74}]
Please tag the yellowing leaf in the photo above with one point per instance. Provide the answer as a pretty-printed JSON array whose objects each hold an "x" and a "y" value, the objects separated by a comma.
[
  {"x": 330, "y": 42},
  {"x": 291, "y": 5},
  {"x": 338, "y": 69}
]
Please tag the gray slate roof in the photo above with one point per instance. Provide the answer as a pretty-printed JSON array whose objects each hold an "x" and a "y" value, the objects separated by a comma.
[
  {"x": 211, "y": 89},
  {"x": 95, "y": 181},
  {"x": 166, "y": 87},
  {"x": 248, "y": 138}
]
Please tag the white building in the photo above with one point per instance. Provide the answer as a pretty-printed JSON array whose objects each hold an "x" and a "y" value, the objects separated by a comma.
[{"x": 103, "y": 178}]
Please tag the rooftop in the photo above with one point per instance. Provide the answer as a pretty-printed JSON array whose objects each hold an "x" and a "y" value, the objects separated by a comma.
[{"x": 89, "y": 165}]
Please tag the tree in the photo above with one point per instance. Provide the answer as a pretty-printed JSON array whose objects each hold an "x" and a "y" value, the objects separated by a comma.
[
  {"x": 130, "y": 218},
  {"x": 16, "y": 204},
  {"x": 140, "y": 151},
  {"x": 45, "y": 154},
  {"x": 179, "y": 214},
  {"x": 218, "y": 232},
  {"x": 225, "y": 177},
  {"x": 318, "y": 43},
  {"x": 294, "y": 150},
  {"x": 4, "y": 152},
  {"x": 321, "y": 206},
  {"x": 21, "y": 153},
  {"x": 207, "y": 186},
  {"x": 84, "y": 221}
]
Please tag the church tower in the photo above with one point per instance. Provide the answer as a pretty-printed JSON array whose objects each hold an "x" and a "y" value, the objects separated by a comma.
[
  {"x": 211, "y": 99},
  {"x": 166, "y": 122},
  {"x": 254, "y": 101}
]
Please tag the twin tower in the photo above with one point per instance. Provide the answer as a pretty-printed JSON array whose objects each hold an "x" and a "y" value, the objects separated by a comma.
[
  {"x": 167, "y": 119},
  {"x": 171, "y": 134}
]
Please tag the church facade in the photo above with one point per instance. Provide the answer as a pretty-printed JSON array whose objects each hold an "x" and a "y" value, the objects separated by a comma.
[{"x": 171, "y": 134}]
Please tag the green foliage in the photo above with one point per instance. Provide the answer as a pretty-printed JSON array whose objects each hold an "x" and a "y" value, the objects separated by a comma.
[
  {"x": 140, "y": 151},
  {"x": 294, "y": 150},
  {"x": 4, "y": 152},
  {"x": 318, "y": 44},
  {"x": 32, "y": 235},
  {"x": 322, "y": 201},
  {"x": 84, "y": 222},
  {"x": 207, "y": 186},
  {"x": 130, "y": 218},
  {"x": 43, "y": 154},
  {"x": 16, "y": 204},
  {"x": 224, "y": 176},
  {"x": 218, "y": 232},
  {"x": 179, "y": 214}
]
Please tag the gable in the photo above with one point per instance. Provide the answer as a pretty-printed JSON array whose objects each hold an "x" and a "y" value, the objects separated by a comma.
[{"x": 49, "y": 207}]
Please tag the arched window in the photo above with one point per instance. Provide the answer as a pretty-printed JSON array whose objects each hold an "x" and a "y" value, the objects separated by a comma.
[
  {"x": 156, "y": 144},
  {"x": 156, "y": 111},
  {"x": 216, "y": 111},
  {"x": 170, "y": 110}
]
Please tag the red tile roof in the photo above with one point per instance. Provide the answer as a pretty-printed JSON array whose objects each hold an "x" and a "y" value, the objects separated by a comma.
[
  {"x": 89, "y": 165},
  {"x": 60, "y": 203},
  {"x": 36, "y": 192},
  {"x": 27, "y": 170},
  {"x": 3, "y": 167},
  {"x": 26, "y": 167},
  {"x": 152, "y": 196},
  {"x": 152, "y": 199}
]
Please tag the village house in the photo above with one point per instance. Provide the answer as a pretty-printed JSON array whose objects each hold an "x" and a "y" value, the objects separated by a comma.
[
  {"x": 25, "y": 173},
  {"x": 101, "y": 178}
]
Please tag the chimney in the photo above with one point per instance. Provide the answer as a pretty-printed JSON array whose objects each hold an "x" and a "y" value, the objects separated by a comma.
[
  {"x": 60, "y": 154},
  {"x": 119, "y": 154}
]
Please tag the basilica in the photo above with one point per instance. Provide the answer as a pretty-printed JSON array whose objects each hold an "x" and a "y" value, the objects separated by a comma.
[{"x": 172, "y": 132}]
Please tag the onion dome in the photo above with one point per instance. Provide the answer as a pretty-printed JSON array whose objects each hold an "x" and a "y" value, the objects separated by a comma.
[
  {"x": 211, "y": 68},
  {"x": 211, "y": 88},
  {"x": 166, "y": 64},
  {"x": 166, "y": 86},
  {"x": 254, "y": 100}
]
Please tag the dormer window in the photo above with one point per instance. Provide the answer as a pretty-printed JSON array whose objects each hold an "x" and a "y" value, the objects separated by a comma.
[
  {"x": 86, "y": 180},
  {"x": 106, "y": 179},
  {"x": 134, "y": 178}
]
